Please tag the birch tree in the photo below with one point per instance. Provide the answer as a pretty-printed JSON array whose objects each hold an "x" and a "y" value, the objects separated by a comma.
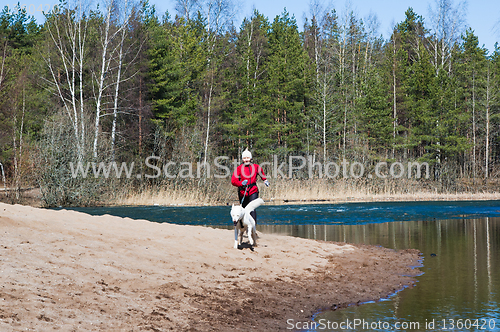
[
  {"x": 18, "y": 152},
  {"x": 68, "y": 35},
  {"x": 341, "y": 54},
  {"x": 324, "y": 32},
  {"x": 107, "y": 37},
  {"x": 447, "y": 24},
  {"x": 218, "y": 14},
  {"x": 123, "y": 20},
  {"x": 113, "y": 32},
  {"x": 185, "y": 8}
]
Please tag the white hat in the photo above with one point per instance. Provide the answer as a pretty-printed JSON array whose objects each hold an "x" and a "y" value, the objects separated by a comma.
[{"x": 246, "y": 154}]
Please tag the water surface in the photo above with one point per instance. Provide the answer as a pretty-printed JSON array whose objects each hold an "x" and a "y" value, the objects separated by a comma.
[
  {"x": 314, "y": 214},
  {"x": 461, "y": 279}
]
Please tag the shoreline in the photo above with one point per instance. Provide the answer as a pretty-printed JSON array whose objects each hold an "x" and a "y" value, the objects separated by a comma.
[
  {"x": 165, "y": 198},
  {"x": 370, "y": 199},
  {"x": 66, "y": 269}
]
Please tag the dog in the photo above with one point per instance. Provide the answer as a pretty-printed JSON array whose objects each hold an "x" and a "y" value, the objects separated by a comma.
[{"x": 243, "y": 221}]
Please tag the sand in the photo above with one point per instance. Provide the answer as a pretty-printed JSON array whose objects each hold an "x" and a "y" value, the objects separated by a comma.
[{"x": 68, "y": 271}]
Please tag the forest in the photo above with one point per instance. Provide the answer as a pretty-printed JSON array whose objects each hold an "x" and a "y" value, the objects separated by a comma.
[{"x": 117, "y": 82}]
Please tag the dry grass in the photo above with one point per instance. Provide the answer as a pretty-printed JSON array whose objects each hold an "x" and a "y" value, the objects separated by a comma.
[
  {"x": 211, "y": 192},
  {"x": 352, "y": 191},
  {"x": 220, "y": 192},
  {"x": 163, "y": 197}
]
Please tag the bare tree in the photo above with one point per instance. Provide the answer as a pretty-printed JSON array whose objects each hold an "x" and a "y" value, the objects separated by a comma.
[
  {"x": 342, "y": 47},
  {"x": 105, "y": 63},
  {"x": 18, "y": 154},
  {"x": 219, "y": 15},
  {"x": 448, "y": 23},
  {"x": 372, "y": 27},
  {"x": 317, "y": 13},
  {"x": 123, "y": 21},
  {"x": 111, "y": 48},
  {"x": 186, "y": 7},
  {"x": 68, "y": 34},
  {"x": 324, "y": 35}
]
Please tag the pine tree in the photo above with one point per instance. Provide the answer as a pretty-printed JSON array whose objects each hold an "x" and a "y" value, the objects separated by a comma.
[
  {"x": 495, "y": 106},
  {"x": 423, "y": 119},
  {"x": 376, "y": 118},
  {"x": 246, "y": 82},
  {"x": 471, "y": 66},
  {"x": 404, "y": 50},
  {"x": 23, "y": 105},
  {"x": 282, "y": 117},
  {"x": 176, "y": 63}
]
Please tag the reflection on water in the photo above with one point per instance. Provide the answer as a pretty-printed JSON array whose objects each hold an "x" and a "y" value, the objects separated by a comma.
[{"x": 461, "y": 277}]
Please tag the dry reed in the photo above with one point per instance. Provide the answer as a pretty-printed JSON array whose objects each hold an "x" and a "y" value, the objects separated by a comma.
[{"x": 220, "y": 192}]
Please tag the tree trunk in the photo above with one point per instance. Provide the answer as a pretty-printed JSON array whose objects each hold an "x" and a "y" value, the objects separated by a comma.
[
  {"x": 4, "y": 180},
  {"x": 14, "y": 147},
  {"x": 394, "y": 98},
  {"x": 81, "y": 49},
  {"x": 473, "y": 128},
  {"x": 115, "y": 106},
  {"x": 324, "y": 118},
  {"x": 487, "y": 147},
  {"x": 208, "y": 125},
  {"x": 72, "y": 58},
  {"x": 100, "y": 87},
  {"x": 249, "y": 45},
  {"x": 18, "y": 176},
  {"x": 140, "y": 116},
  {"x": 2, "y": 77}
]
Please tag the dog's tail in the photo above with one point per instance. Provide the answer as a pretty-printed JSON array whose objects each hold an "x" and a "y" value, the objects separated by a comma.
[{"x": 254, "y": 204}]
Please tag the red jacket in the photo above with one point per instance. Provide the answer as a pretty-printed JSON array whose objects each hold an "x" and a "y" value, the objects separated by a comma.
[{"x": 250, "y": 172}]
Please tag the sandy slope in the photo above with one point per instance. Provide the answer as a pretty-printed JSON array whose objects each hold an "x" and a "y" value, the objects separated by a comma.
[{"x": 74, "y": 272}]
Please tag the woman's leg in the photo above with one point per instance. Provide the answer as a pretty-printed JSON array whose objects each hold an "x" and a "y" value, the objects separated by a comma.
[{"x": 247, "y": 200}]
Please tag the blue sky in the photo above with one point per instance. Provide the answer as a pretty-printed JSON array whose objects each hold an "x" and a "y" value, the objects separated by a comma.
[{"x": 482, "y": 15}]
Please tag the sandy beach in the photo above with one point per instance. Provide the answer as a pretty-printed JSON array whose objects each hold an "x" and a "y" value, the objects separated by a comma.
[{"x": 68, "y": 271}]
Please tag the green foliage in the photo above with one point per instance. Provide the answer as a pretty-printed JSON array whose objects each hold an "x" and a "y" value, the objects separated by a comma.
[
  {"x": 22, "y": 102},
  {"x": 18, "y": 30},
  {"x": 245, "y": 80},
  {"x": 176, "y": 63},
  {"x": 375, "y": 110},
  {"x": 284, "y": 105}
]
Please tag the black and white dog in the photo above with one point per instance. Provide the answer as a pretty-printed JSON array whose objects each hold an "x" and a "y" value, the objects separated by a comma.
[{"x": 243, "y": 221}]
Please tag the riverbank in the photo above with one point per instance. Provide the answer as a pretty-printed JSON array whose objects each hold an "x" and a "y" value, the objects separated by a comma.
[
  {"x": 310, "y": 191},
  {"x": 165, "y": 198},
  {"x": 220, "y": 193},
  {"x": 68, "y": 270}
]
